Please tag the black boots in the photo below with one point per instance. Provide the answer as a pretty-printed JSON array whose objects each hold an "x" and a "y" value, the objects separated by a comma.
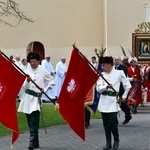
[
  {"x": 127, "y": 119},
  {"x": 108, "y": 140},
  {"x": 116, "y": 138},
  {"x": 31, "y": 143},
  {"x": 107, "y": 147},
  {"x": 36, "y": 144},
  {"x": 116, "y": 143},
  {"x": 34, "y": 141}
]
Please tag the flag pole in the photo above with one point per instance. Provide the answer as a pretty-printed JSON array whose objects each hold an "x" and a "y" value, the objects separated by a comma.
[
  {"x": 26, "y": 76},
  {"x": 87, "y": 60},
  {"x": 92, "y": 66},
  {"x": 118, "y": 100}
]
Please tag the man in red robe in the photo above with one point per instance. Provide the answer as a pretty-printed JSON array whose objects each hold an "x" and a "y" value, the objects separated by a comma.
[{"x": 134, "y": 75}]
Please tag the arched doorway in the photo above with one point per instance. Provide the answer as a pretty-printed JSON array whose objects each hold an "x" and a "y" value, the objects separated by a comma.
[{"x": 36, "y": 47}]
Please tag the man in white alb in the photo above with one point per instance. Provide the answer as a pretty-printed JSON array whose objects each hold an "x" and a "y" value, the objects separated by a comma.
[
  {"x": 46, "y": 64},
  {"x": 61, "y": 70}
]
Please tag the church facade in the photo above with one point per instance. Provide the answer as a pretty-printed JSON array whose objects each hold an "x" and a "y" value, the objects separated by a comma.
[{"x": 58, "y": 24}]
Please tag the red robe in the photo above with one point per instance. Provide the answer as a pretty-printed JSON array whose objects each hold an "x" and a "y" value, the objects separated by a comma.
[
  {"x": 89, "y": 100},
  {"x": 138, "y": 93},
  {"x": 147, "y": 82}
]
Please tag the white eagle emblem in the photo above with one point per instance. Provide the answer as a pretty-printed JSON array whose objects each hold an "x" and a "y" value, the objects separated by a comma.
[{"x": 72, "y": 85}]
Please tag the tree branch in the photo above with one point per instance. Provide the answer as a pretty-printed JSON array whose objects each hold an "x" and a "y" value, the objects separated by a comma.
[{"x": 11, "y": 9}]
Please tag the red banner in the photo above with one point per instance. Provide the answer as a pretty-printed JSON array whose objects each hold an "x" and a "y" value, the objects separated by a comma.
[
  {"x": 79, "y": 79},
  {"x": 11, "y": 81}
]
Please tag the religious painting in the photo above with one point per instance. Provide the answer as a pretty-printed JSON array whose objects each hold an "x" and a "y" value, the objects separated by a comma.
[{"x": 141, "y": 46}]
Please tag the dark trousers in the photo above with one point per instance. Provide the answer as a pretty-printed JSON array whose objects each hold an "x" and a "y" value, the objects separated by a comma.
[
  {"x": 33, "y": 121},
  {"x": 110, "y": 124},
  {"x": 125, "y": 108},
  {"x": 87, "y": 117},
  {"x": 110, "y": 120}
]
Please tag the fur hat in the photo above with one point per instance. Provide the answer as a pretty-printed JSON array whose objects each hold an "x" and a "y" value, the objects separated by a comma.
[{"x": 106, "y": 60}]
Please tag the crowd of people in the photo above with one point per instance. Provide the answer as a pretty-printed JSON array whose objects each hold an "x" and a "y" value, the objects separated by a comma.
[
  {"x": 127, "y": 80},
  {"x": 58, "y": 74}
]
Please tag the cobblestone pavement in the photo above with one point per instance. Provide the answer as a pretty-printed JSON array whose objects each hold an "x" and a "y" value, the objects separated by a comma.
[{"x": 133, "y": 136}]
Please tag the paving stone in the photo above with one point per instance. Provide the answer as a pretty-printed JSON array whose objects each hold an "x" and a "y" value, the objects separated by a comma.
[{"x": 133, "y": 136}]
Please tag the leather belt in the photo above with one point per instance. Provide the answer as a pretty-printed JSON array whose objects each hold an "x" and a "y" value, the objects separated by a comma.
[
  {"x": 33, "y": 93},
  {"x": 109, "y": 93}
]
